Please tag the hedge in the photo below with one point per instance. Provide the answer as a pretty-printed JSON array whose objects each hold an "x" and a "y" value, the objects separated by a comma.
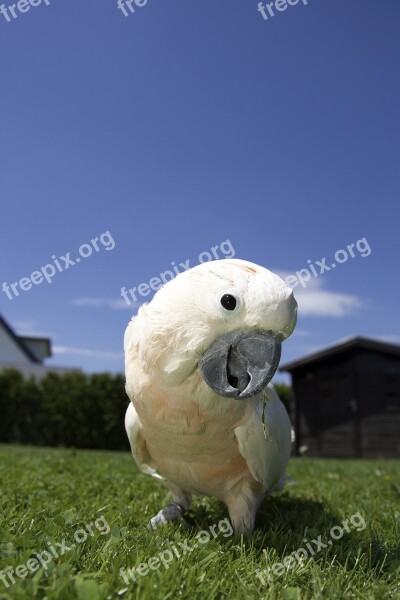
[{"x": 73, "y": 410}]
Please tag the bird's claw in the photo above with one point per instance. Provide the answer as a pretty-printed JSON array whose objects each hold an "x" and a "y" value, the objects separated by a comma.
[{"x": 173, "y": 512}]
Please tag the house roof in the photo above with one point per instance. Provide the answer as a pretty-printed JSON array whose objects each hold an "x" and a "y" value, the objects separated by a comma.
[
  {"x": 20, "y": 343},
  {"x": 33, "y": 341},
  {"x": 356, "y": 342}
]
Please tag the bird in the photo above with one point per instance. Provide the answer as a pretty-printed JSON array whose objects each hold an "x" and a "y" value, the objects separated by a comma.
[{"x": 199, "y": 358}]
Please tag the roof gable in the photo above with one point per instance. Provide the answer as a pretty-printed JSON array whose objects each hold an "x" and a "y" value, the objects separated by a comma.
[
  {"x": 16, "y": 344},
  {"x": 340, "y": 347}
]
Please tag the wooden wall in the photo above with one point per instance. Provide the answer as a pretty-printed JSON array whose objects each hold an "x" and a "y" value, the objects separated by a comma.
[{"x": 349, "y": 405}]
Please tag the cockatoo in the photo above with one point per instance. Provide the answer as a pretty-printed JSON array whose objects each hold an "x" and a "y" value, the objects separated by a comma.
[{"x": 199, "y": 358}]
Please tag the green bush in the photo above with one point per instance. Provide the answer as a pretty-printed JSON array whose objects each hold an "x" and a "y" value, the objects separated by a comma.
[{"x": 72, "y": 410}]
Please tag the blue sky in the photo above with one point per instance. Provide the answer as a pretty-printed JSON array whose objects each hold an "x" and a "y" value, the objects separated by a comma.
[{"x": 188, "y": 124}]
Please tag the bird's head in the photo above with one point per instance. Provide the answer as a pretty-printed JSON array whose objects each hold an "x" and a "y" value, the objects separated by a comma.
[{"x": 226, "y": 319}]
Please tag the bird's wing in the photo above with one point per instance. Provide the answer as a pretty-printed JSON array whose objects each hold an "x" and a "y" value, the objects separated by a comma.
[
  {"x": 138, "y": 443},
  {"x": 265, "y": 458}
]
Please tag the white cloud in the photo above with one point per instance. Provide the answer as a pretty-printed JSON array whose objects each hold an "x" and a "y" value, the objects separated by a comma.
[
  {"x": 117, "y": 304},
  {"x": 88, "y": 302},
  {"x": 300, "y": 333},
  {"x": 314, "y": 301},
  {"x": 88, "y": 352},
  {"x": 321, "y": 303},
  {"x": 29, "y": 328},
  {"x": 120, "y": 304}
]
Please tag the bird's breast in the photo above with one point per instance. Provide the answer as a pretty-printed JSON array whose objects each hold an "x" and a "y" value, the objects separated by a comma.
[{"x": 192, "y": 446}]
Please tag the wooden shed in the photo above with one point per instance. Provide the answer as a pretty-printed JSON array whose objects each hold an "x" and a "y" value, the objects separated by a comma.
[{"x": 347, "y": 399}]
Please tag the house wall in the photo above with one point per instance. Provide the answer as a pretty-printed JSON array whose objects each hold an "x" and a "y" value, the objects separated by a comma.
[{"x": 9, "y": 350}]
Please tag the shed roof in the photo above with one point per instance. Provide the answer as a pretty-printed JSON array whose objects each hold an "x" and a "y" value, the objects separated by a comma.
[{"x": 356, "y": 342}]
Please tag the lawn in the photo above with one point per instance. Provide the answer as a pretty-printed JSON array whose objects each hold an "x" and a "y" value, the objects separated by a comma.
[{"x": 98, "y": 502}]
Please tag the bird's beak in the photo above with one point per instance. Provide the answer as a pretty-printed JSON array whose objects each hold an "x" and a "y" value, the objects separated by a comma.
[{"x": 241, "y": 363}]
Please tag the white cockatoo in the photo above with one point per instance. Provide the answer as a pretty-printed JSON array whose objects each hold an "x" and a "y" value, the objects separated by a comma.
[{"x": 199, "y": 358}]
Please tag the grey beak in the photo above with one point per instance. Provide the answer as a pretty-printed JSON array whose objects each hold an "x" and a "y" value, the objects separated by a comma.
[{"x": 241, "y": 363}]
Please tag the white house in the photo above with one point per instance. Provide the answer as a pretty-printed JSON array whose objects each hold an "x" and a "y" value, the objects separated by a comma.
[{"x": 24, "y": 353}]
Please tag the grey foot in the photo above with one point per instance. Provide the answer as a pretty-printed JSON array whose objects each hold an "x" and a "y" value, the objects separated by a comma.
[{"x": 173, "y": 512}]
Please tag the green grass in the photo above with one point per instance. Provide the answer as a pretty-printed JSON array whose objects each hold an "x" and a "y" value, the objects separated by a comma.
[{"x": 49, "y": 494}]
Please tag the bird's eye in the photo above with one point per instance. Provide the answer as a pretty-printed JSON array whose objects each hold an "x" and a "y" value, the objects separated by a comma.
[{"x": 228, "y": 302}]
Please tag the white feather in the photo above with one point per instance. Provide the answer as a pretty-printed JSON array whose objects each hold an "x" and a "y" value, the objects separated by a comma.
[
  {"x": 266, "y": 457},
  {"x": 138, "y": 444}
]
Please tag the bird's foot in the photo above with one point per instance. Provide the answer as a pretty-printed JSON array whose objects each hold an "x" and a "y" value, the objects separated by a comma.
[{"x": 173, "y": 512}]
